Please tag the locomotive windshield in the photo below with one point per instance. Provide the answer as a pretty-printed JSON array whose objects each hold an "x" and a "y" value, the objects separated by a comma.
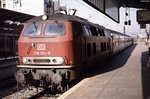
[
  {"x": 54, "y": 29},
  {"x": 33, "y": 29}
]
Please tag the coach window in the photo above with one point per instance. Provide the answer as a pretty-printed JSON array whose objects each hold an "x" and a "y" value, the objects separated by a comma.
[
  {"x": 94, "y": 49},
  {"x": 89, "y": 50},
  {"x": 101, "y": 32},
  {"x": 107, "y": 33},
  {"x": 55, "y": 29},
  {"x": 86, "y": 30},
  {"x": 32, "y": 29},
  {"x": 103, "y": 46},
  {"x": 94, "y": 31}
]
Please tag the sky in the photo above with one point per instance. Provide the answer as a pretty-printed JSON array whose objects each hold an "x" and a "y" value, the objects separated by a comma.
[{"x": 35, "y": 7}]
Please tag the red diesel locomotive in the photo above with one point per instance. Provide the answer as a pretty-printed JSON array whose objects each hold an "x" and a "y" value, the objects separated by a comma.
[{"x": 56, "y": 49}]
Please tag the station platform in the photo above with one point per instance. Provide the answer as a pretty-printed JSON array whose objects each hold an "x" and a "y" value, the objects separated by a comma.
[{"x": 126, "y": 76}]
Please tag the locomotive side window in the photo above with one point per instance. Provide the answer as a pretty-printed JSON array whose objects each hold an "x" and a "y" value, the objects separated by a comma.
[
  {"x": 77, "y": 29},
  {"x": 54, "y": 29},
  {"x": 33, "y": 29}
]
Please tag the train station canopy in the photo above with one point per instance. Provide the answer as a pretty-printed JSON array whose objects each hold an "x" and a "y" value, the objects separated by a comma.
[
  {"x": 144, "y": 4},
  {"x": 13, "y": 16},
  {"x": 10, "y": 21}
]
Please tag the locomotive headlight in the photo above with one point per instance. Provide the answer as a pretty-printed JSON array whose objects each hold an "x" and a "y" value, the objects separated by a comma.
[
  {"x": 58, "y": 60},
  {"x": 24, "y": 60},
  {"x": 44, "y": 17}
]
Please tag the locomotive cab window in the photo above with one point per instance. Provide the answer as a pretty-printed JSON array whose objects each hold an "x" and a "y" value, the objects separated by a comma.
[
  {"x": 55, "y": 29},
  {"x": 33, "y": 29}
]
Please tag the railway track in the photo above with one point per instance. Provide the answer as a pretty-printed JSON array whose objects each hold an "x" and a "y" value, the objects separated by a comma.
[
  {"x": 28, "y": 93},
  {"x": 7, "y": 78},
  {"x": 8, "y": 61},
  {"x": 33, "y": 93},
  {"x": 8, "y": 84},
  {"x": 10, "y": 81}
]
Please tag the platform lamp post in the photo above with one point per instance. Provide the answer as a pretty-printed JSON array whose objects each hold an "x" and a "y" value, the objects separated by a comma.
[
  {"x": 127, "y": 16},
  {"x": 51, "y": 6}
]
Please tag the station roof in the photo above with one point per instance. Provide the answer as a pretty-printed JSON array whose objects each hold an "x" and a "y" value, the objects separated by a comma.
[
  {"x": 14, "y": 16},
  {"x": 10, "y": 21},
  {"x": 144, "y": 4}
]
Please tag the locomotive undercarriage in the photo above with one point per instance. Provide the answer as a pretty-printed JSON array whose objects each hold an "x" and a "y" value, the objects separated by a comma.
[{"x": 53, "y": 79}]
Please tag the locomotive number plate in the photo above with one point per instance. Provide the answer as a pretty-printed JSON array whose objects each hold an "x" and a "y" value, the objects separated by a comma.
[{"x": 41, "y": 47}]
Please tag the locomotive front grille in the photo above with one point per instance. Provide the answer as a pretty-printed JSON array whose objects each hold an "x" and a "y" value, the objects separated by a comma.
[{"x": 41, "y": 60}]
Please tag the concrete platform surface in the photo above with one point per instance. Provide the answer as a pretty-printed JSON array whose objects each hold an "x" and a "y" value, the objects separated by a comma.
[{"x": 126, "y": 76}]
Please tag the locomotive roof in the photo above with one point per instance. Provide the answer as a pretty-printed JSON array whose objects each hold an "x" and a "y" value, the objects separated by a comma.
[
  {"x": 58, "y": 17},
  {"x": 63, "y": 17},
  {"x": 72, "y": 18}
]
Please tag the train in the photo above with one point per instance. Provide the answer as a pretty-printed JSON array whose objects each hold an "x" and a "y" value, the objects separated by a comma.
[{"x": 56, "y": 49}]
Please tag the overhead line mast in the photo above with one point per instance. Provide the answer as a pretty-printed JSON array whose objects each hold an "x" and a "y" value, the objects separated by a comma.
[{"x": 51, "y": 6}]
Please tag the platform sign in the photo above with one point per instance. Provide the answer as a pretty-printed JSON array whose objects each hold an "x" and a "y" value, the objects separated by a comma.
[{"x": 143, "y": 16}]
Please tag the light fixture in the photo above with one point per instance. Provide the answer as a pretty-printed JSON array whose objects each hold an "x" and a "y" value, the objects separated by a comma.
[
  {"x": 17, "y": 23},
  {"x": 9, "y": 22}
]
